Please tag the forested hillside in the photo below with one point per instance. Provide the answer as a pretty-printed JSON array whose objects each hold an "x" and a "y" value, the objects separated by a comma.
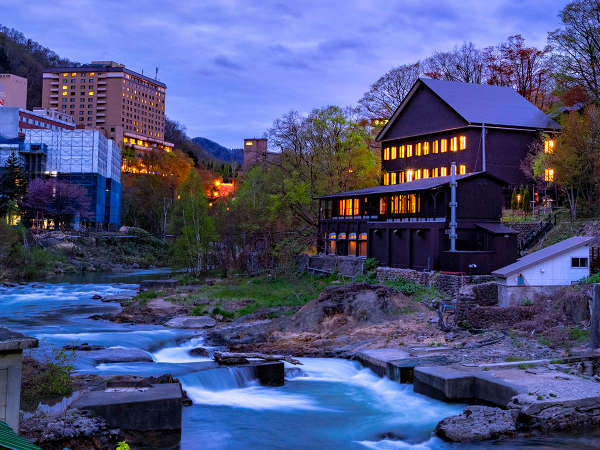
[{"x": 27, "y": 58}]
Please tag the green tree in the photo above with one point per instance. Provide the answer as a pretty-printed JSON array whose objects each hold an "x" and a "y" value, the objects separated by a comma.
[
  {"x": 514, "y": 204},
  {"x": 13, "y": 186},
  {"x": 526, "y": 199},
  {"x": 323, "y": 153},
  {"x": 194, "y": 227}
]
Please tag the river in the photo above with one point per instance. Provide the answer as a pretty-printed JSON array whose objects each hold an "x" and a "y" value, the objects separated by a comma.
[{"x": 330, "y": 404}]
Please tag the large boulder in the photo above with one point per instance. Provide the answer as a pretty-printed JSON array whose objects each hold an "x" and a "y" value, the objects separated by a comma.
[
  {"x": 478, "y": 423},
  {"x": 191, "y": 322}
]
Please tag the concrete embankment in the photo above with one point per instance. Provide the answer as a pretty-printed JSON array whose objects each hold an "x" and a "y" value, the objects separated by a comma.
[{"x": 525, "y": 397}]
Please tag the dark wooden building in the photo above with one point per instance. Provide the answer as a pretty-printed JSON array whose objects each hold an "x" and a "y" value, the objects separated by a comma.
[{"x": 406, "y": 221}]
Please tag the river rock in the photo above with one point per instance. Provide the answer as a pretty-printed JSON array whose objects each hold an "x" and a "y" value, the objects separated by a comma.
[
  {"x": 191, "y": 322},
  {"x": 85, "y": 347},
  {"x": 478, "y": 423},
  {"x": 118, "y": 355},
  {"x": 96, "y": 297},
  {"x": 199, "y": 351}
]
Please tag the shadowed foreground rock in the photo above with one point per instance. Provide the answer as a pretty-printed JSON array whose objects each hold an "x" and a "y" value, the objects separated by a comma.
[{"x": 478, "y": 423}]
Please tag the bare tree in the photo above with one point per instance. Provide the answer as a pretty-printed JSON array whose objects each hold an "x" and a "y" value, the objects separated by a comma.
[
  {"x": 577, "y": 45},
  {"x": 464, "y": 63},
  {"x": 386, "y": 94}
]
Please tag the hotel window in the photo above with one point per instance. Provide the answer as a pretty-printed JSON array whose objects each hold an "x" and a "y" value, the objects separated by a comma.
[
  {"x": 418, "y": 149},
  {"x": 409, "y": 175},
  {"x": 462, "y": 142},
  {"x": 400, "y": 177},
  {"x": 386, "y": 178},
  {"x": 64, "y": 87},
  {"x": 549, "y": 146},
  {"x": 418, "y": 174},
  {"x": 401, "y": 151},
  {"x": 91, "y": 93},
  {"x": 73, "y": 74},
  {"x": 435, "y": 172},
  {"x": 393, "y": 153},
  {"x": 348, "y": 207},
  {"x": 425, "y": 173},
  {"x": 413, "y": 206},
  {"x": 549, "y": 175},
  {"x": 443, "y": 171},
  {"x": 435, "y": 147},
  {"x": 362, "y": 245},
  {"x": 453, "y": 144},
  {"x": 409, "y": 151},
  {"x": 462, "y": 169},
  {"x": 386, "y": 154},
  {"x": 393, "y": 178},
  {"x": 425, "y": 148},
  {"x": 355, "y": 203},
  {"x": 443, "y": 146}
]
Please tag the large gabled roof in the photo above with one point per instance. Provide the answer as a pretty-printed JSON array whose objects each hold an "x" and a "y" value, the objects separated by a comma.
[
  {"x": 422, "y": 184},
  {"x": 543, "y": 255},
  {"x": 481, "y": 103}
]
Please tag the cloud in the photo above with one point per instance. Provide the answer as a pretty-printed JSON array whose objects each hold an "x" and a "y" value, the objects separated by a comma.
[{"x": 233, "y": 66}]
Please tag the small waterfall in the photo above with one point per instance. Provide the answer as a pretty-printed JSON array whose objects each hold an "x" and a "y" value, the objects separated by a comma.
[{"x": 221, "y": 379}]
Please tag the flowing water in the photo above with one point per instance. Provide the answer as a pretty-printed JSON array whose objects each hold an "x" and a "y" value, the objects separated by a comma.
[{"x": 327, "y": 404}]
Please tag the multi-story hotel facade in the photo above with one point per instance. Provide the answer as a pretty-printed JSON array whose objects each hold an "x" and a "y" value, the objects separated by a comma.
[{"x": 126, "y": 106}]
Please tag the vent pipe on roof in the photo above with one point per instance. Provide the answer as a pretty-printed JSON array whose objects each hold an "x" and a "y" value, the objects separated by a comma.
[
  {"x": 483, "y": 147},
  {"x": 453, "y": 204}
]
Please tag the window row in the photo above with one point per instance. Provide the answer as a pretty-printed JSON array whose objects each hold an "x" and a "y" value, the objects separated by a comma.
[
  {"x": 406, "y": 176},
  {"x": 425, "y": 148},
  {"x": 400, "y": 204}
]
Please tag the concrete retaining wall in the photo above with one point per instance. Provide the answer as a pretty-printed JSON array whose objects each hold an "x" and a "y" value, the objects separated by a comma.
[{"x": 518, "y": 295}]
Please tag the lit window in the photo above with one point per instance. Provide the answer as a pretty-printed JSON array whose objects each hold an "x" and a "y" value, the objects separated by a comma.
[
  {"x": 462, "y": 169},
  {"x": 418, "y": 174},
  {"x": 418, "y": 149},
  {"x": 91, "y": 74},
  {"x": 65, "y": 74},
  {"x": 425, "y": 173},
  {"x": 435, "y": 172},
  {"x": 401, "y": 151},
  {"x": 386, "y": 178},
  {"x": 64, "y": 87},
  {"x": 348, "y": 207},
  {"x": 386, "y": 154},
  {"x": 408, "y": 151},
  {"x": 91, "y": 93},
  {"x": 73, "y": 74},
  {"x": 549, "y": 175},
  {"x": 401, "y": 177},
  {"x": 382, "y": 205},
  {"x": 443, "y": 146},
  {"x": 393, "y": 178},
  {"x": 342, "y": 203},
  {"x": 454, "y": 144},
  {"x": 435, "y": 147},
  {"x": 355, "y": 207},
  {"x": 443, "y": 171},
  {"x": 463, "y": 143},
  {"x": 65, "y": 93},
  {"x": 393, "y": 153},
  {"x": 549, "y": 146},
  {"x": 425, "y": 148},
  {"x": 409, "y": 175}
]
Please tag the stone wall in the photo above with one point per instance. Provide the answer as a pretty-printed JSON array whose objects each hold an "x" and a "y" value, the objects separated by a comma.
[
  {"x": 349, "y": 266},
  {"x": 448, "y": 284},
  {"x": 518, "y": 295}
]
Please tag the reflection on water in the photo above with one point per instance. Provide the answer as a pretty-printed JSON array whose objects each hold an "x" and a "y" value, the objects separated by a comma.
[{"x": 331, "y": 404}]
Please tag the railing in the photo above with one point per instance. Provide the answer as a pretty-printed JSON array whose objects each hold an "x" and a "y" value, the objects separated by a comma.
[{"x": 545, "y": 227}]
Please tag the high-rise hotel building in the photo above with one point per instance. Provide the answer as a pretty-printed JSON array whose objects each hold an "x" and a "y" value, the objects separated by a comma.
[{"x": 126, "y": 106}]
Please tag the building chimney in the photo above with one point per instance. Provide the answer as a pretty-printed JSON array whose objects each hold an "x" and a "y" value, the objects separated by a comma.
[{"x": 452, "y": 231}]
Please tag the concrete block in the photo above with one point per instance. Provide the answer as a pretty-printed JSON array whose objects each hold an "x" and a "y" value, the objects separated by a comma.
[
  {"x": 444, "y": 383},
  {"x": 270, "y": 373}
]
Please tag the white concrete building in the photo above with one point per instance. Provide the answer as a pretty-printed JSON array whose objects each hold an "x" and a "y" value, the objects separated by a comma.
[{"x": 560, "y": 264}]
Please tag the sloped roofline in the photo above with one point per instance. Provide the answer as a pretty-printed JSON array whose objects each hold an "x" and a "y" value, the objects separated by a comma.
[
  {"x": 544, "y": 254},
  {"x": 411, "y": 93}
]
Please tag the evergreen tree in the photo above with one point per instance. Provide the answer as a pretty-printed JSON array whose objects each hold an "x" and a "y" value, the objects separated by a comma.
[
  {"x": 526, "y": 196},
  {"x": 13, "y": 186}
]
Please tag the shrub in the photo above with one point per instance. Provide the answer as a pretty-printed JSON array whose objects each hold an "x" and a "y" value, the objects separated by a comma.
[
  {"x": 198, "y": 311},
  {"x": 219, "y": 311},
  {"x": 54, "y": 380}
]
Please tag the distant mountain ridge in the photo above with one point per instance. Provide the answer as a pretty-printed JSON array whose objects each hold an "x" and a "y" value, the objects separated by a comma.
[{"x": 220, "y": 152}]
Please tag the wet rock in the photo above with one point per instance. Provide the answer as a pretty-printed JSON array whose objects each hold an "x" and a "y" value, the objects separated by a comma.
[
  {"x": 478, "y": 423},
  {"x": 233, "y": 360},
  {"x": 9, "y": 285},
  {"x": 199, "y": 351},
  {"x": 191, "y": 322},
  {"x": 85, "y": 347},
  {"x": 117, "y": 355},
  {"x": 294, "y": 372},
  {"x": 37, "y": 286},
  {"x": 128, "y": 381},
  {"x": 96, "y": 297}
]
